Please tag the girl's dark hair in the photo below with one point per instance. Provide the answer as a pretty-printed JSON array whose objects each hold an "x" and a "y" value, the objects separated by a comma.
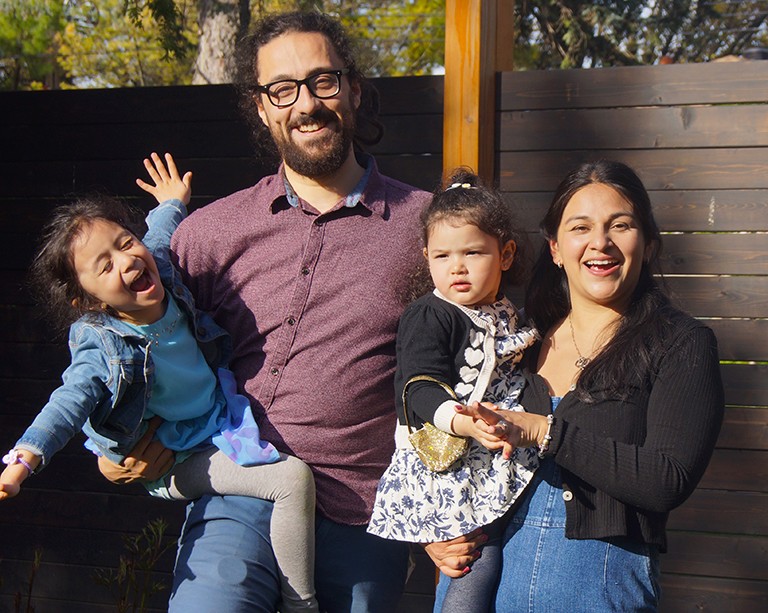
[
  {"x": 368, "y": 128},
  {"x": 463, "y": 197},
  {"x": 52, "y": 274},
  {"x": 638, "y": 331}
]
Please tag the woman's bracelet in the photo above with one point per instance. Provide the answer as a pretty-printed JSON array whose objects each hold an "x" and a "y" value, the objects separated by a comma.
[
  {"x": 544, "y": 447},
  {"x": 14, "y": 457}
]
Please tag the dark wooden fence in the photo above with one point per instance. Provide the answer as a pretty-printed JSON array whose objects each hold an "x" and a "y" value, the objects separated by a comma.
[
  {"x": 698, "y": 135},
  {"x": 60, "y": 144}
]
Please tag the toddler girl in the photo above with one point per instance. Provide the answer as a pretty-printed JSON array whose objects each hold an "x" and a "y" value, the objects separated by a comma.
[
  {"x": 464, "y": 337},
  {"x": 140, "y": 349}
]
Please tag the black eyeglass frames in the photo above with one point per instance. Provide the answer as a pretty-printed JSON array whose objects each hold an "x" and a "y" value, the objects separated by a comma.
[{"x": 321, "y": 85}]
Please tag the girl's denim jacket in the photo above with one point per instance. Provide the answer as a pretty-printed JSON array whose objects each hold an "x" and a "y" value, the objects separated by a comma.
[{"x": 107, "y": 386}]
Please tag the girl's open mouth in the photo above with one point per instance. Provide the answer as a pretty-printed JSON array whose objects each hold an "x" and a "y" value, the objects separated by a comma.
[{"x": 142, "y": 284}]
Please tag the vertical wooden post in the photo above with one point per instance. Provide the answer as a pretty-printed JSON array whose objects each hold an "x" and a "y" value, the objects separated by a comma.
[{"x": 478, "y": 42}]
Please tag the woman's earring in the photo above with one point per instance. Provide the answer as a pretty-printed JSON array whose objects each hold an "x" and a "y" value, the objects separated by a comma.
[
  {"x": 104, "y": 306},
  {"x": 559, "y": 265}
]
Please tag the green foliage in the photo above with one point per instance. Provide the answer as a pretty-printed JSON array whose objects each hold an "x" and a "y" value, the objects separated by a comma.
[
  {"x": 28, "y": 43},
  {"x": 170, "y": 21},
  {"x": 132, "y": 581},
  {"x": 572, "y": 34},
  {"x": 101, "y": 46},
  {"x": 395, "y": 38}
]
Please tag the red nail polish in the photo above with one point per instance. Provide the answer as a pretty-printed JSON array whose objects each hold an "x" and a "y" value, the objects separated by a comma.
[{"x": 466, "y": 570}]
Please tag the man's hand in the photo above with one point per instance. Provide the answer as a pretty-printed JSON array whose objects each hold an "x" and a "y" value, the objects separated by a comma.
[
  {"x": 453, "y": 557},
  {"x": 148, "y": 460}
]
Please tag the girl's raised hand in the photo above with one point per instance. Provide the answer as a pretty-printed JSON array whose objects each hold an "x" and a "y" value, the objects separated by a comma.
[{"x": 167, "y": 182}]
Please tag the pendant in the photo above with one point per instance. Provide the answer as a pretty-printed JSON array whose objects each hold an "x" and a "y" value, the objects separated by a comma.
[{"x": 582, "y": 362}]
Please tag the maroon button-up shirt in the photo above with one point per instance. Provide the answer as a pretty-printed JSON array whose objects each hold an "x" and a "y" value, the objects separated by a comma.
[{"x": 312, "y": 303}]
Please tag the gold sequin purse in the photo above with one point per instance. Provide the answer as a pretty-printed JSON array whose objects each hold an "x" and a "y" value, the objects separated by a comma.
[{"x": 437, "y": 449}]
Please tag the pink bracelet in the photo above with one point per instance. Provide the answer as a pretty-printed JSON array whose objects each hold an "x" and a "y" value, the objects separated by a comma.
[{"x": 14, "y": 457}]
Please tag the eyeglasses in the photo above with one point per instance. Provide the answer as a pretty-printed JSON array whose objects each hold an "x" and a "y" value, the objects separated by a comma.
[{"x": 286, "y": 92}]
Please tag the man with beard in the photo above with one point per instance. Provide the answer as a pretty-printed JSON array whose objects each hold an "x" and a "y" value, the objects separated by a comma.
[{"x": 306, "y": 270}]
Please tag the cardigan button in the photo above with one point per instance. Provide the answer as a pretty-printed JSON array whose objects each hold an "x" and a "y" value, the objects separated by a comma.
[{"x": 567, "y": 495}]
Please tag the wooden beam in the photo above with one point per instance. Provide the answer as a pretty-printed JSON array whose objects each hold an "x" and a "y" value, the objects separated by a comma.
[{"x": 478, "y": 36}]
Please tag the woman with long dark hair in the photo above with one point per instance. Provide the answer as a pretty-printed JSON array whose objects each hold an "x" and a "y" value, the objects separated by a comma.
[{"x": 624, "y": 403}]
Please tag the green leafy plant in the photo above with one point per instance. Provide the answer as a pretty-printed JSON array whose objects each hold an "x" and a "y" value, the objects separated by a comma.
[
  {"x": 131, "y": 581},
  {"x": 19, "y": 597}
]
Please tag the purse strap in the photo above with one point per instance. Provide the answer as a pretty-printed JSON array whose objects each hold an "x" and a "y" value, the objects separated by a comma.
[{"x": 428, "y": 379}]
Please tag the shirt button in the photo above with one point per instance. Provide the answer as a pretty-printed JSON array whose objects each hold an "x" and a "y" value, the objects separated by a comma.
[
  {"x": 273, "y": 371},
  {"x": 567, "y": 496},
  {"x": 305, "y": 271},
  {"x": 291, "y": 321}
]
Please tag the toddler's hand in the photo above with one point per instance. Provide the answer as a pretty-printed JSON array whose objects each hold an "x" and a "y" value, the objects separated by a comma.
[
  {"x": 168, "y": 183},
  {"x": 484, "y": 424},
  {"x": 9, "y": 490}
]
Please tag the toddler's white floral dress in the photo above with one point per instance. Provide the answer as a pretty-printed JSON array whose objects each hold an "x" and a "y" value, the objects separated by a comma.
[{"x": 418, "y": 505}]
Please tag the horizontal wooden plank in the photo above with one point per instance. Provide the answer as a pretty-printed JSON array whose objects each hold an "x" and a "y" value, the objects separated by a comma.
[
  {"x": 700, "y": 169},
  {"x": 715, "y": 254},
  {"x": 738, "y": 125},
  {"x": 720, "y": 296},
  {"x": 57, "y": 605},
  {"x": 213, "y": 177},
  {"x": 737, "y": 470},
  {"x": 66, "y": 180},
  {"x": 22, "y": 397},
  {"x": 33, "y": 361},
  {"x": 398, "y": 95},
  {"x": 745, "y": 384},
  {"x": 674, "y": 210},
  {"x": 722, "y": 511},
  {"x": 710, "y": 83},
  {"x": 24, "y": 324},
  {"x": 737, "y": 557},
  {"x": 685, "y": 594},
  {"x": 224, "y": 139},
  {"x": 741, "y": 339},
  {"x": 105, "y": 106},
  {"x": 60, "y": 545},
  {"x": 56, "y": 584},
  {"x": 744, "y": 428}
]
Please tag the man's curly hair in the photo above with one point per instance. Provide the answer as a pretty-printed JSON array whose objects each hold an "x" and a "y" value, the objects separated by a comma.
[{"x": 368, "y": 129}]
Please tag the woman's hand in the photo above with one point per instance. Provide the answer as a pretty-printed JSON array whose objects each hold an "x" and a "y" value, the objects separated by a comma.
[
  {"x": 453, "y": 557},
  {"x": 491, "y": 434},
  {"x": 521, "y": 429},
  {"x": 148, "y": 460}
]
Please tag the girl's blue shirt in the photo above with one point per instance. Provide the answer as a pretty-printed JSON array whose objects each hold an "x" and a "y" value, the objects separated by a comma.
[{"x": 108, "y": 384}]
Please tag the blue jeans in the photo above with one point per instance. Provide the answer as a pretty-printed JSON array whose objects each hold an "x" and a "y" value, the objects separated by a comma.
[
  {"x": 225, "y": 563},
  {"x": 542, "y": 571}
]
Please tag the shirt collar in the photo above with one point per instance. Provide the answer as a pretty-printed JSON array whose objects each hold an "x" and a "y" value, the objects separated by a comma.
[{"x": 368, "y": 191}]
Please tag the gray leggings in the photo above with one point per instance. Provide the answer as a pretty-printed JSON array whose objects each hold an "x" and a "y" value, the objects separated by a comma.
[{"x": 290, "y": 485}]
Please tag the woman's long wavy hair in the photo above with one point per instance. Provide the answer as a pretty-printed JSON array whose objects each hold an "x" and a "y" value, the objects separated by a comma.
[{"x": 640, "y": 329}]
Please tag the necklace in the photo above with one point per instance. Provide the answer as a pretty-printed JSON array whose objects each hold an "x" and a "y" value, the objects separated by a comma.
[{"x": 582, "y": 362}]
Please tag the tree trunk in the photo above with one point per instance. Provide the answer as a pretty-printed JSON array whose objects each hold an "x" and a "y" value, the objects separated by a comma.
[{"x": 222, "y": 24}]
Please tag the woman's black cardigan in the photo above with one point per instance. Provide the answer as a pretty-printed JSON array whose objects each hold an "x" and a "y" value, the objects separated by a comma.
[{"x": 627, "y": 463}]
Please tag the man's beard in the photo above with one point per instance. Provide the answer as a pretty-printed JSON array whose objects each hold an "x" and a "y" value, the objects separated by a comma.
[{"x": 324, "y": 156}]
